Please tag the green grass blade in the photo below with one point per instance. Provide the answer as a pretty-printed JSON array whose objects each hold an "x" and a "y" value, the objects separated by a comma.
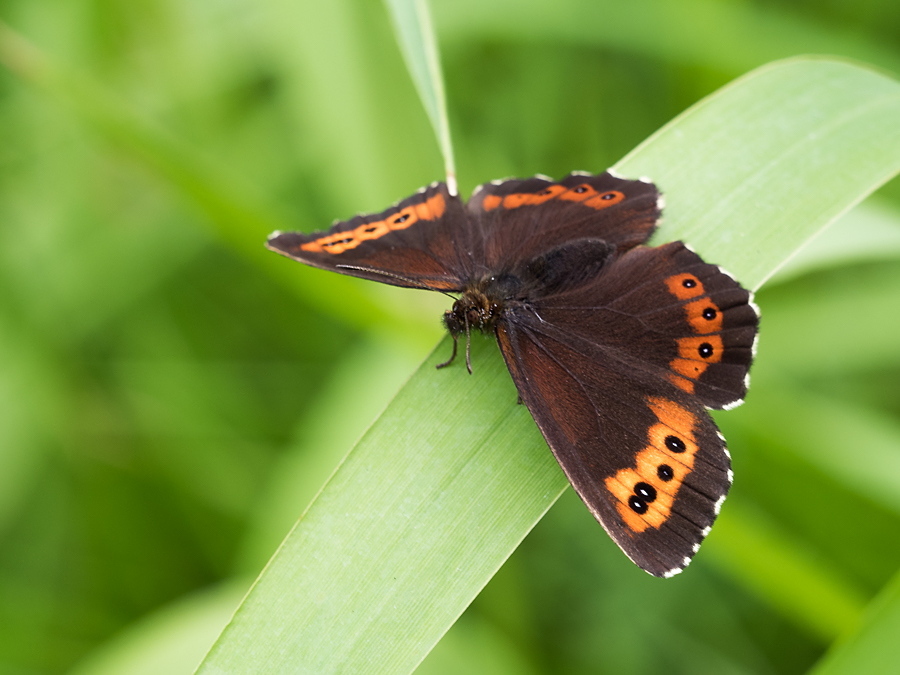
[
  {"x": 820, "y": 430},
  {"x": 233, "y": 209},
  {"x": 872, "y": 649},
  {"x": 720, "y": 36},
  {"x": 167, "y": 641},
  {"x": 453, "y": 475},
  {"x": 750, "y": 547},
  {"x": 412, "y": 22},
  {"x": 235, "y": 212}
]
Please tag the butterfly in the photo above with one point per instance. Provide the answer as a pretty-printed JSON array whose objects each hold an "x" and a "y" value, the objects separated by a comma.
[{"x": 618, "y": 349}]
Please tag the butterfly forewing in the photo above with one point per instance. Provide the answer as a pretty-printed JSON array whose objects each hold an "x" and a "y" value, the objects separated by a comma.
[
  {"x": 420, "y": 242},
  {"x": 521, "y": 219}
]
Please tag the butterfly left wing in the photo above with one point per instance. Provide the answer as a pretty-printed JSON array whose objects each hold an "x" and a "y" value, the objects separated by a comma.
[
  {"x": 420, "y": 242},
  {"x": 618, "y": 374}
]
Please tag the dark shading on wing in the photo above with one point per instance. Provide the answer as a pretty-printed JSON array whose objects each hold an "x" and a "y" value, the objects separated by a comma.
[
  {"x": 421, "y": 242},
  {"x": 594, "y": 366}
]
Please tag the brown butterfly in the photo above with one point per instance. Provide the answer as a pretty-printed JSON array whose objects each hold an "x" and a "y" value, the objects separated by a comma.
[{"x": 616, "y": 348}]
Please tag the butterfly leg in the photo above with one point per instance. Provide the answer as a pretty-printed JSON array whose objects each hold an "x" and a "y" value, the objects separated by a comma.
[
  {"x": 454, "y": 333},
  {"x": 452, "y": 355}
]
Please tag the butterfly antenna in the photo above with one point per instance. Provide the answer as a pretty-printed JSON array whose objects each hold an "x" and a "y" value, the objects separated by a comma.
[{"x": 390, "y": 275}]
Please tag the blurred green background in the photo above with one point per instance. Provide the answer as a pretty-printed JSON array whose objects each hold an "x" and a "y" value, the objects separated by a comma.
[{"x": 172, "y": 395}]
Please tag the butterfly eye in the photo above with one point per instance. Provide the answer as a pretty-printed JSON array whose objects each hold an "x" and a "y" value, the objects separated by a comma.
[
  {"x": 709, "y": 313},
  {"x": 689, "y": 283},
  {"x": 664, "y": 471},
  {"x": 705, "y": 350},
  {"x": 606, "y": 196},
  {"x": 675, "y": 444},
  {"x": 402, "y": 219},
  {"x": 637, "y": 504},
  {"x": 371, "y": 228},
  {"x": 581, "y": 189},
  {"x": 645, "y": 491}
]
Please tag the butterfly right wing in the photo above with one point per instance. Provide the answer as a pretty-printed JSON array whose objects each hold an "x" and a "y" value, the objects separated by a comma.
[
  {"x": 520, "y": 219},
  {"x": 420, "y": 242},
  {"x": 615, "y": 444},
  {"x": 618, "y": 374}
]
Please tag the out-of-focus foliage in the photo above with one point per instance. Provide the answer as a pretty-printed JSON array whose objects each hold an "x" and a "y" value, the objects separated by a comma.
[{"x": 173, "y": 396}]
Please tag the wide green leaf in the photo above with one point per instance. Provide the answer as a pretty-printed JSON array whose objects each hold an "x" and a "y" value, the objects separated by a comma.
[{"x": 453, "y": 475}]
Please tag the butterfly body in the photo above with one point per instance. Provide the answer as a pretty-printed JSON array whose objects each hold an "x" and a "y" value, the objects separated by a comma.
[{"x": 617, "y": 348}]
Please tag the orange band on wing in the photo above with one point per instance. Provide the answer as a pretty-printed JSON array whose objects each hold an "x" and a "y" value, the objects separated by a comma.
[
  {"x": 695, "y": 352},
  {"x": 646, "y": 491},
  {"x": 338, "y": 242},
  {"x": 491, "y": 202},
  {"x": 518, "y": 199},
  {"x": 682, "y": 383},
  {"x": 583, "y": 193}
]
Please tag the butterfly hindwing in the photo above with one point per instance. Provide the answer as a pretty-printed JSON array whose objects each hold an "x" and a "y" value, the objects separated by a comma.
[
  {"x": 619, "y": 443},
  {"x": 594, "y": 366},
  {"x": 419, "y": 242}
]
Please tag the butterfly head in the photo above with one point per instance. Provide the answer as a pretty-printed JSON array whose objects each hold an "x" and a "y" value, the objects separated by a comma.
[
  {"x": 474, "y": 309},
  {"x": 480, "y": 307}
]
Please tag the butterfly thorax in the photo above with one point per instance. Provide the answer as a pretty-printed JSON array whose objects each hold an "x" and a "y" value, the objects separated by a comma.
[{"x": 479, "y": 307}]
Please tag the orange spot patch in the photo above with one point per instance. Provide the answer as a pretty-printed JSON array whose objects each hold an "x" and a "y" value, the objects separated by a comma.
[
  {"x": 579, "y": 193},
  {"x": 605, "y": 199},
  {"x": 697, "y": 312},
  {"x": 695, "y": 347},
  {"x": 685, "y": 286},
  {"x": 372, "y": 230},
  {"x": 695, "y": 354},
  {"x": 660, "y": 458},
  {"x": 674, "y": 416},
  {"x": 432, "y": 208},
  {"x": 338, "y": 242}
]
